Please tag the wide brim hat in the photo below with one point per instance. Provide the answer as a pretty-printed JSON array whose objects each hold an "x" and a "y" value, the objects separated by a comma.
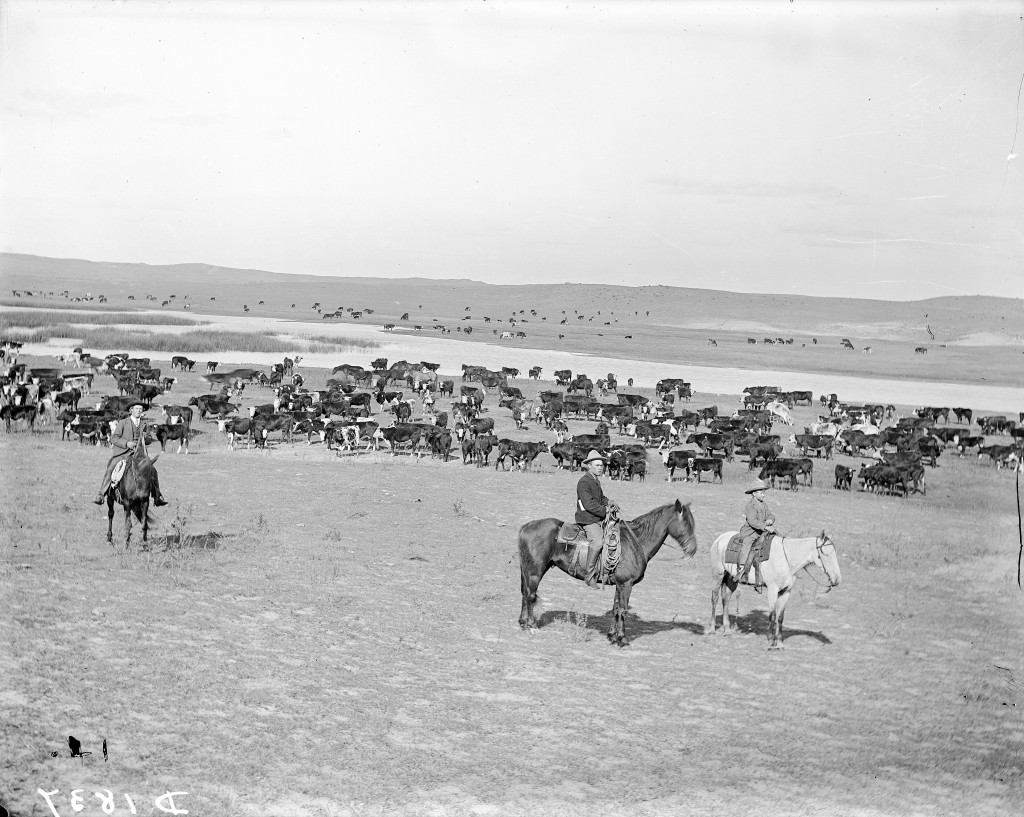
[
  {"x": 757, "y": 485},
  {"x": 595, "y": 455}
]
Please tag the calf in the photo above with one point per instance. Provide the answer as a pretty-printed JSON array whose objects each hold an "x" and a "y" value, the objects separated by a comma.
[
  {"x": 844, "y": 478},
  {"x": 234, "y": 428},
  {"x": 701, "y": 464},
  {"x": 168, "y": 431},
  {"x": 483, "y": 444}
]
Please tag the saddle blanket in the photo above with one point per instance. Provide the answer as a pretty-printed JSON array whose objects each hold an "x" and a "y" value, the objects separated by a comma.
[{"x": 732, "y": 550}]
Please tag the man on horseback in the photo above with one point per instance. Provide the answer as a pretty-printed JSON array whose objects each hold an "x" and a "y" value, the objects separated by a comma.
[
  {"x": 128, "y": 434},
  {"x": 592, "y": 509},
  {"x": 759, "y": 523}
]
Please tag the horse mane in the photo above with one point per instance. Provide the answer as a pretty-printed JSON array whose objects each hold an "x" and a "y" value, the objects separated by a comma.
[{"x": 643, "y": 526}]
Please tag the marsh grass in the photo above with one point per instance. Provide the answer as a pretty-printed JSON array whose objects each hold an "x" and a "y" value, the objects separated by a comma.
[
  {"x": 31, "y": 319},
  {"x": 201, "y": 341}
]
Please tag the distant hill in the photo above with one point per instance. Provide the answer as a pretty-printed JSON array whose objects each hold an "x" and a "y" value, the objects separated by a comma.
[{"x": 976, "y": 320}]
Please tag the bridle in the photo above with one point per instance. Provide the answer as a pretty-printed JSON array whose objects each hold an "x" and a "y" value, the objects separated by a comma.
[{"x": 820, "y": 543}]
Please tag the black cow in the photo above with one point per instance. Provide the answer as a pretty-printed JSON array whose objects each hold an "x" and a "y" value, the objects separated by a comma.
[
  {"x": 814, "y": 442},
  {"x": 401, "y": 435},
  {"x": 522, "y": 454},
  {"x": 701, "y": 464},
  {"x": 207, "y": 404},
  {"x": 678, "y": 459},
  {"x": 12, "y": 414},
  {"x": 764, "y": 452},
  {"x": 710, "y": 443},
  {"x": 844, "y": 478},
  {"x": 483, "y": 444},
  {"x": 782, "y": 469},
  {"x": 178, "y": 432}
]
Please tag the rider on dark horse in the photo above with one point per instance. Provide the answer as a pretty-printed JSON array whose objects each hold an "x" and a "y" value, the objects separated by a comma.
[
  {"x": 128, "y": 434},
  {"x": 758, "y": 524},
  {"x": 592, "y": 509}
]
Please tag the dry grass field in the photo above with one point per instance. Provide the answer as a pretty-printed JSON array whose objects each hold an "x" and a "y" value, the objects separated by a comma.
[{"x": 310, "y": 634}]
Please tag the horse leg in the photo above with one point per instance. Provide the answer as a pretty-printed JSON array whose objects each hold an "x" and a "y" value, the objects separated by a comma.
[
  {"x": 145, "y": 519},
  {"x": 716, "y": 592},
  {"x": 110, "y": 517},
  {"x": 773, "y": 617},
  {"x": 127, "y": 526},
  {"x": 780, "y": 613},
  {"x": 529, "y": 582},
  {"x": 619, "y": 610},
  {"x": 727, "y": 587}
]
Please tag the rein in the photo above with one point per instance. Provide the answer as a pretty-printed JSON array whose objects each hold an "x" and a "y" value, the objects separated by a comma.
[{"x": 827, "y": 585}]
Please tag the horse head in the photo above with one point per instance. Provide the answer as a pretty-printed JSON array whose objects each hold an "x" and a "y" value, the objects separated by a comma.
[
  {"x": 681, "y": 527},
  {"x": 827, "y": 559}
]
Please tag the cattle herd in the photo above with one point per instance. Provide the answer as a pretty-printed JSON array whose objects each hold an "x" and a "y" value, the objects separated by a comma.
[{"x": 404, "y": 407}]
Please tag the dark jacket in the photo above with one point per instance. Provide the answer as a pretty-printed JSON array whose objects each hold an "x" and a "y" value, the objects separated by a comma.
[
  {"x": 591, "y": 503},
  {"x": 126, "y": 434}
]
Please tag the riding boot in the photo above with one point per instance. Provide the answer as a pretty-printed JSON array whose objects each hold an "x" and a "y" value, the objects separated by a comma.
[
  {"x": 594, "y": 564},
  {"x": 744, "y": 574},
  {"x": 158, "y": 498}
]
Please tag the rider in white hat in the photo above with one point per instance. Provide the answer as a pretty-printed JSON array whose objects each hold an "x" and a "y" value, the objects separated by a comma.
[
  {"x": 126, "y": 435},
  {"x": 592, "y": 508},
  {"x": 759, "y": 522}
]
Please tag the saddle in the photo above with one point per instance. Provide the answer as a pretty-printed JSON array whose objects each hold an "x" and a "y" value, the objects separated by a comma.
[
  {"x": 571, "y": 534},
  {"x": 761, "y": 553}
]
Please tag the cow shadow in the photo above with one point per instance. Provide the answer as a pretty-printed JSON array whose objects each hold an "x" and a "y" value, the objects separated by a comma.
[
  {"x": 636, "y": 627},
  {"x": 756, "y": 623}
]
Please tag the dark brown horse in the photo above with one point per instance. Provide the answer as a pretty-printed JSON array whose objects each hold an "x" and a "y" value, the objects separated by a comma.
[
  {"x": 639, "y": 540},
  {"x": 132, "y": 492}
]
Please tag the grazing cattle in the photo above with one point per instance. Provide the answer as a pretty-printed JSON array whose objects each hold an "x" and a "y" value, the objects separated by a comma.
[
  {"x": 702, "y": 464},
  {"x": 211, "y": 405},
  {"x": 535, "y": 372},
  {"x": 964, "y": 414},
  {"x": 819, "y": 443},
  {"x": 183, "y": 363},
  {"x": 67, "y": 399},
  {"x": 752, "y": 341},
  {"x": 710, "y": 443},
  {"x": 263, "y": 424},
  {"x": 169, "y": 431},
  {"x": 14, "y": 414},
  {"x": 483, "y": 444},
  {"x": 678, "y": 459},
  {"x": 235, "y": 428},
  {"x": 401, "y": 435},
  {"x": 883, "y": 479},
  {"x": 782, "y": 469},
  {"x": 522, "y": 454},
  {"x": 844, "y": 478},
  {"x": 965, "y": 441},
  {"x": 765, "y": 452},
  {"x": 509, "y": 372},
  {"x": 921, "y": 350},
  {"x": 79, "y": 381},
  {"x": 1000, "y": 455}
]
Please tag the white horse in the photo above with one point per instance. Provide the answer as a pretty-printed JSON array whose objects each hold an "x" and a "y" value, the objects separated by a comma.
[{"x": 779, "y": 571}]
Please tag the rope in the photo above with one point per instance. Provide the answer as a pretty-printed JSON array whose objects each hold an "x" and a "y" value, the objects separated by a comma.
[{"x": 611, "y": 545}]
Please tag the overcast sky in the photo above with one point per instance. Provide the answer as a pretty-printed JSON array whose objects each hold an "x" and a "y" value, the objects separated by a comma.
[{"x": 821, "y": 148}]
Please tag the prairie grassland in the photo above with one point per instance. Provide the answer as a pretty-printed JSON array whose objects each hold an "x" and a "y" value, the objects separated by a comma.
[{"x": 313, "y": 634}]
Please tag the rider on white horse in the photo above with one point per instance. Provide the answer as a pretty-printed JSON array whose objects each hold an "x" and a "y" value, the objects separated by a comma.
[{"x": 758, "y": 524}]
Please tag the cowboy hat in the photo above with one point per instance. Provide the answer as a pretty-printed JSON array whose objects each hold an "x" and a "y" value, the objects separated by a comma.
[
  {"x": 756, "y": 485},
  {"x": 595, "y": 455}
]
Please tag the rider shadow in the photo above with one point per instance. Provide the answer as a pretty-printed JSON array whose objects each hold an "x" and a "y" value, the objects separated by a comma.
[
  {"x": 756, "y": 623},
  {"x": 637, "y": 626}
]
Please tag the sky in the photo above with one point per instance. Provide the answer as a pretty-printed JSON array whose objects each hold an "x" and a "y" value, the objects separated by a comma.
[{"x": 824, "y": 148}]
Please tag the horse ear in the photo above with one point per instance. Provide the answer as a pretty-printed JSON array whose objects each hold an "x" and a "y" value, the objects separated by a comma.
[{"x": 823, "y": 536}]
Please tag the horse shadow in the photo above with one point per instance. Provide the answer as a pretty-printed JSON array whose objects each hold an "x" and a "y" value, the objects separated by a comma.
[
  {"x": 756, "y": 623},
  {"x": 189, "y": 541},
  {"x": 636, "y": 627}
]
